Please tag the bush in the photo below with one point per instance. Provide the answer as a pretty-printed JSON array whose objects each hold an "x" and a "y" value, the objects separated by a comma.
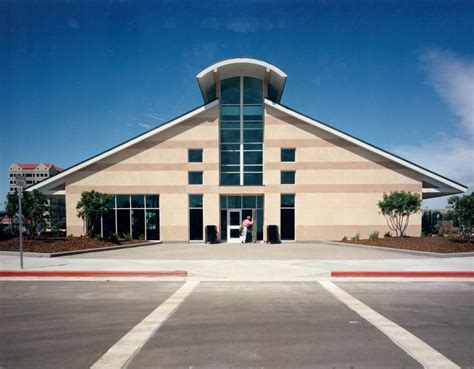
[
  {"x": 127, "y": 236},
  {"x": 142, "y": 237},
  {"x": 461, "y": 211},
  {"x": 6, "y": 233},
  {"x": 374, "y": 236},
  {"x": 114, "y": 239},
  {"x": 344, "y": 238},
  {"x": 356, "y": 237},
  {"x": 387, "y": 234}
]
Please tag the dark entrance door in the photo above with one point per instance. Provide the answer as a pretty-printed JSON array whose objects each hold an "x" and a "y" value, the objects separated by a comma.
[{"x": 287, "y": 224}]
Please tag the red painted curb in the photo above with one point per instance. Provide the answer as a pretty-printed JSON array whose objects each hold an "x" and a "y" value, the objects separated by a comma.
[
  {"x": 91, "y": 273},
  {"x": 407, "y": 274}
]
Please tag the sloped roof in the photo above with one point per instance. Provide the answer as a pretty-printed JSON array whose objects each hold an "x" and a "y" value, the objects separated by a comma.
[
  {"x": 53, "y": 180},
  {"x": 451, "y": 187},
  {"x": 441, "y": 185}
]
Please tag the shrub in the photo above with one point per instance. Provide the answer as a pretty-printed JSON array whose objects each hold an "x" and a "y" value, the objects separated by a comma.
[
  {"x": 397, "y": 207},
  {"x": 387, "y": 234},
  {"x": 374, "y": 236},
  {"x": 127, "y": 236},
  {"x": 461, "y": 211},
  {"x": 344, "y": 238},
  {"x": 6, "y": 233},
  {"x": 356, "y": 237},
  {"x": 114, "y": 239},
  {"x": 142, "y": 237}
]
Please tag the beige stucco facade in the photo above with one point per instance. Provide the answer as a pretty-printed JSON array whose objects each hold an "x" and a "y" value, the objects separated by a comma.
[
  {"x": 339, "y": 179},
  {"x": 337, "y": 187}
]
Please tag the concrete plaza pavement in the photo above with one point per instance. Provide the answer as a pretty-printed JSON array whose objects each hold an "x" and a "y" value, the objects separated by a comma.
[
  {"x": 57, "y": 324},
  {"x": 259, "y": 262}
]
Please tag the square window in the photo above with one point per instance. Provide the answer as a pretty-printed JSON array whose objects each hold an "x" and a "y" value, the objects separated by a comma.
[
  {"x": 195, "y": 201},
  {"x": 234, "y": 202},
  {"x": 287, "y": 177},
  {"x": 123, "y": 201},
  {"x": 138, "y": 201},
  {"x": 287, "y": 200},
  {"x": 195, "y": 155},
  {"x": 288, "y": 154},
  {"x": 195, "y": 178},
  {"x": 152, "y": 201}
]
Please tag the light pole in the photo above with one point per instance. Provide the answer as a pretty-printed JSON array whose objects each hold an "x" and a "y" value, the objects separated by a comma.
[{"x": 20, "y": 183}]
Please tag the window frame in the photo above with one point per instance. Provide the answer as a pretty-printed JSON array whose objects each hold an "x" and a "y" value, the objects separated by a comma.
[
  {"x": 198, "y": 172},
  {"x": 195, "y": 150},
  {"x": 286, "y": 172},
  {"x": 288, "y": 149}
]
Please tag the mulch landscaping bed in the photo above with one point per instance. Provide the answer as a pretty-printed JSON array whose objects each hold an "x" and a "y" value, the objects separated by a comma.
[
  {"x": 430, "y": 244},
  {"x": 50, "y": 245}
]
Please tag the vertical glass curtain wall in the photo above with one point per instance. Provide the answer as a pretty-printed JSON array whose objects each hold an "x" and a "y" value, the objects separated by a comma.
[
  {"x": 135, "y": 215},
  {"x": 247, "y": 204},
  {"x": 241, "y": 131}
]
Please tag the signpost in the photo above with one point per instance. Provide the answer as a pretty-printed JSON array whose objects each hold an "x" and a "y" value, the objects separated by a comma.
[{"x": 20, "y": 183}]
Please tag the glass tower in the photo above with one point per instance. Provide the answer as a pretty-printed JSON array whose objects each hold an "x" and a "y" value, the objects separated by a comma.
[{"x": 241, "y": 131}]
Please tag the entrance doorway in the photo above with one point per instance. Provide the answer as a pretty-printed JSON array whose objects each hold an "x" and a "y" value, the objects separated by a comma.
[
  {"x": 239, "y": 207},
  {"x": 234, "y": 219}
]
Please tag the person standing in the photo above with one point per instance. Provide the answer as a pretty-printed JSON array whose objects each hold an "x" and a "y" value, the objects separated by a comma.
[{"x": 246, "y": 224}]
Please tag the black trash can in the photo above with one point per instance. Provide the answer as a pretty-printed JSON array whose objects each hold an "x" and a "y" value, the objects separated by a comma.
[
  {"x": 211, "y": 234},
  {"x": 272, "y": 234}
]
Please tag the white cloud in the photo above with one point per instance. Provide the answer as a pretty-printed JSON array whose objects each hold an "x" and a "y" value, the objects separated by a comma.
[
  {"x": 451, "y": 153},
  {"x": 144, "y": 125},
  {"x": 452, "y": 78},
  {"x": 155, "y": 116}
]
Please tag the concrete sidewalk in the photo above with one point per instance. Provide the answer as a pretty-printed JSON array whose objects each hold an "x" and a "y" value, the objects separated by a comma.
[{"x": 270, "y": 269}]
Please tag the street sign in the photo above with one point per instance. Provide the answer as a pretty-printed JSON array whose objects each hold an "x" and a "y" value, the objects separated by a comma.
[{"x": 20, "y": 181}]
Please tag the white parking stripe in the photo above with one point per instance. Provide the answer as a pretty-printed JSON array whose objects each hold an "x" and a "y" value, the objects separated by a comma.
[
  {"x": 416, "y": 348},
  {"x": 120, "y": 354}
]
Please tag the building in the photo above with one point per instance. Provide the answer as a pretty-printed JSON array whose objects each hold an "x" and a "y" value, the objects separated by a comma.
[
  {"x": 34, "y": 173},
  {"x": 31, "y": 172},
  {"x": 244, "y": 153}
]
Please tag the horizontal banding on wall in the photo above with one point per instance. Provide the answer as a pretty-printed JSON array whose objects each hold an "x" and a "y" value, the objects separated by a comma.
[
  {"x": 404, "y": 274},
  {"x": 92, "y": 273},
  {"x": 310, "y": 188}
]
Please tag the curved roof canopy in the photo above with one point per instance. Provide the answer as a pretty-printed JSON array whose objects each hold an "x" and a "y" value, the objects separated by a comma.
[{"x": 274, "y": 78}]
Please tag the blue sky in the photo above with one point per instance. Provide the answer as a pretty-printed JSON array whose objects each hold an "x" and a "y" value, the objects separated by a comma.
[{"x": 79, "y": 77}]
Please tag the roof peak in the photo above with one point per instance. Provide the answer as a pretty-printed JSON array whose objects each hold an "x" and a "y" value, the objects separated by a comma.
[{"x": 273, "y": 77}]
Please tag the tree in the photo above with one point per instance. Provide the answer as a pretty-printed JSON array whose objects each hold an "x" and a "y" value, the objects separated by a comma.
[
  {"x": 397, "y": 207},
  {"x": 34, "y": 210},
  {"x": 429, "y": 221},
  {"x": 461, "y": 211},
  {"x": 91, "y": 207}
]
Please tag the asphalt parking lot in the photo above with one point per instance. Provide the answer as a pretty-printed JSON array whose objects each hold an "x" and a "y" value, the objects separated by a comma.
[{"x": 72, "y": 324}]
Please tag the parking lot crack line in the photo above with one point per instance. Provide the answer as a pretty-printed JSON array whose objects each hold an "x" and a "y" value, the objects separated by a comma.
[
  {"x": 415, "y": 347},
  {"x": 123, "y": 351}
]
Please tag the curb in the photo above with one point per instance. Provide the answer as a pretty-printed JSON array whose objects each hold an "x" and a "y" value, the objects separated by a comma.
[
  {"x": 76, "y": 252},
  {"x": 92, "y": 273},
  {"x": 404, "y": 251},
  {"x": 403, "y": 274}
]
